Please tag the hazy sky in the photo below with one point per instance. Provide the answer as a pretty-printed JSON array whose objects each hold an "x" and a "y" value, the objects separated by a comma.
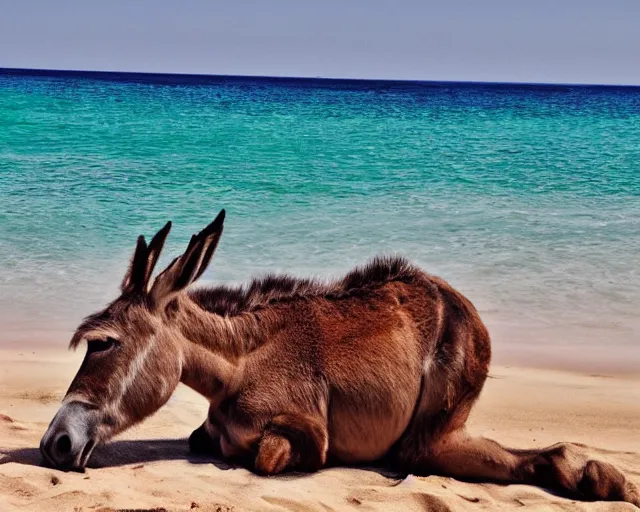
[{"x": 582, "y": 41}]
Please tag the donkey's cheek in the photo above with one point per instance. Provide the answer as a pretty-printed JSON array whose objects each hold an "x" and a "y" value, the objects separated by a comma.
[{"x": 138, "y": 405}]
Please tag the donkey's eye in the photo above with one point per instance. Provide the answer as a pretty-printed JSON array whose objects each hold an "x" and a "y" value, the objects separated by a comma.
[{"x": 100, "y": 345}]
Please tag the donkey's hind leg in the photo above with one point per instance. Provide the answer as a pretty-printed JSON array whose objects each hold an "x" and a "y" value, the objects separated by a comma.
[
  {"x": 292, "y": 441},
  {"x": 437, "y": 443},
  {"x": 564, "y": 467}
]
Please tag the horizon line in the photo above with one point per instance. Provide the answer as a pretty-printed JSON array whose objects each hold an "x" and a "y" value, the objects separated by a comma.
[{"x": 204, "y": 77}]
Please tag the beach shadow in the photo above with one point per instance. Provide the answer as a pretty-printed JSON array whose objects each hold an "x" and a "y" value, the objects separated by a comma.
[
  {"x": 141, "y": 451},
  {"x": 123, "y": 453}
]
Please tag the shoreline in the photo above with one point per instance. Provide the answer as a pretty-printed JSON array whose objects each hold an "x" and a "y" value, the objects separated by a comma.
[{"x": 541, "y": 348}]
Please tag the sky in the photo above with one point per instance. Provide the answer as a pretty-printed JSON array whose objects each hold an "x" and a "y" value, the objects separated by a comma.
[{"x": 557, "y": 41}]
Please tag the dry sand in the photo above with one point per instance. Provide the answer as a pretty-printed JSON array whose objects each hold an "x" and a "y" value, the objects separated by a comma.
[{"x": 149, "y": 467}]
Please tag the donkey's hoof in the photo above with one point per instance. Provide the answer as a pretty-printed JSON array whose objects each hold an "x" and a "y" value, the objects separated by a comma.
[
  {"x": 602, "y": 481},
  {"x": 200, "y": 442}
]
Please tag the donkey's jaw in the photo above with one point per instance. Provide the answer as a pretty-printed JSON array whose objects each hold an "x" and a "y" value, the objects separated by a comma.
[{"x": 71, "y": 437}]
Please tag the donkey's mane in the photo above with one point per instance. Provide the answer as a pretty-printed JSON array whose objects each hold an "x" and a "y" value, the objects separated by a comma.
[{"x": 271, "y": 288}]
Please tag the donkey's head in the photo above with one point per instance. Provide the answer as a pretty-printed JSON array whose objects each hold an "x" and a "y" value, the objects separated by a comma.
[{"x": 134, "y": 356}]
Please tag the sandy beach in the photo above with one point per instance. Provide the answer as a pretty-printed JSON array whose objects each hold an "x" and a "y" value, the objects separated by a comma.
[{"x": 150, "y": 467}]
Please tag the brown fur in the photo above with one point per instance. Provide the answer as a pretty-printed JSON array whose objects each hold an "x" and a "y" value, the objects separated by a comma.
[{"x": 384, "y": 364}]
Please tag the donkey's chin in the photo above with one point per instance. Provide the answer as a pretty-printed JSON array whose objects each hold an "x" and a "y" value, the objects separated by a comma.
[{"x": 71, "y": 437}]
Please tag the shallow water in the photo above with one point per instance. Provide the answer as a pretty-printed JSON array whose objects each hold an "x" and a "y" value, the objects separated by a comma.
[{"x": 525, "y": 198}]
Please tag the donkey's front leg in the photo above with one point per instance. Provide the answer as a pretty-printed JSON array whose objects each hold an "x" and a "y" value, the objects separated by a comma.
[{"x": 292, "y": 441}]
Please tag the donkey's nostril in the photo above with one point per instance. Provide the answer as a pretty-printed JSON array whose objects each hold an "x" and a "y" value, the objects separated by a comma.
[
  {"x": 63, "y": 445},
  {"x": 68, "y": 434}
]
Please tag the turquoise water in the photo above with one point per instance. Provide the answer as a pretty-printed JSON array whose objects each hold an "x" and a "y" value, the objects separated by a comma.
[{"x": 525, "y": 198}]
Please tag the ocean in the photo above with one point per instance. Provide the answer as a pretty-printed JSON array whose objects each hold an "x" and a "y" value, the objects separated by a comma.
[{"x": 524, "y": 197}]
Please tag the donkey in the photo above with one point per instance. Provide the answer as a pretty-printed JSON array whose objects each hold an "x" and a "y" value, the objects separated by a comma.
[{"x": 382, "y": 366}]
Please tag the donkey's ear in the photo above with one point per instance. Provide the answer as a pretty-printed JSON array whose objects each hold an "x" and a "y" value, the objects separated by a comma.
[
  {"x": 155, "y": 248},
  {"x": 136, "y": 271},
  {"x": 185, "y": 269},
  {"x": 212, "y": 232},
  {"x": 144, "y": 260}
]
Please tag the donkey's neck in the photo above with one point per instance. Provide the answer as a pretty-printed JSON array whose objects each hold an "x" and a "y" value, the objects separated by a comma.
[
  {"x": 215, "y": 346},
  {"x": 229, "y": 336},
  {"x": 210, "y": 374}
]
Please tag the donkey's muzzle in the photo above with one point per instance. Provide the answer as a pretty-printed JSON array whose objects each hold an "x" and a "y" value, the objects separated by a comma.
[{"x": 70, "y": 438}]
